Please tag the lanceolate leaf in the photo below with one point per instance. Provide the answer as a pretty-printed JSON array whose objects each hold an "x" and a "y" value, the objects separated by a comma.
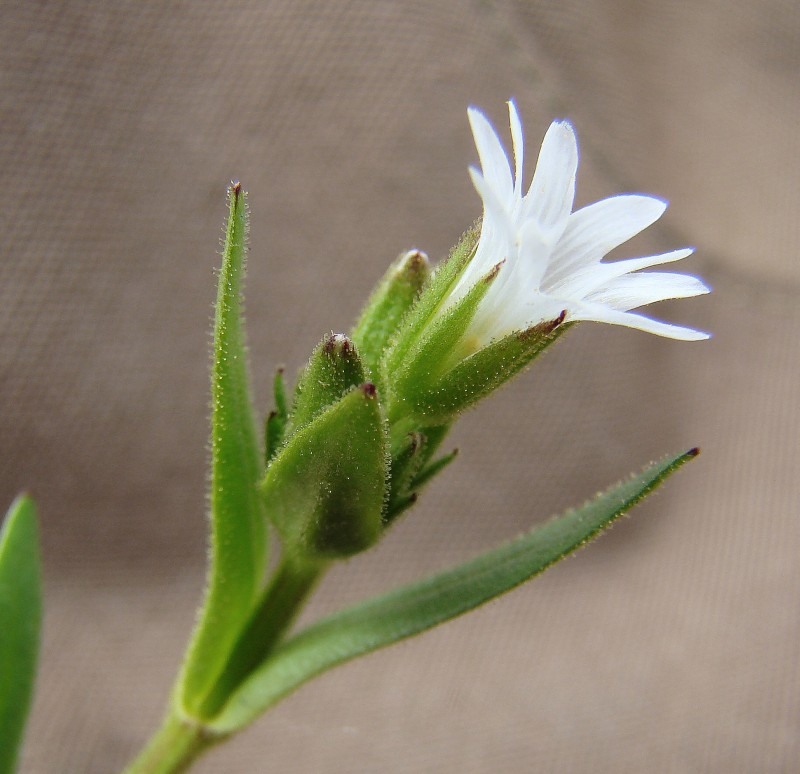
[
  {"x": 238, "y": 531},
  {"x": 20, "y": 615},
  {"x": 412, "y": 609}
]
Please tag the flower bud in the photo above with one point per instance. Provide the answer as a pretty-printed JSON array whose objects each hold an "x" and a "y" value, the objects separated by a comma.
[
  {"x": 326, "y": 488},
  {"x": 334, "y": 369}
]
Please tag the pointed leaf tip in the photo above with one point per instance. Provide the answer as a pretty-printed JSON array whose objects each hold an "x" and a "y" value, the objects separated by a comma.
[{"x": 412, "y": 609}]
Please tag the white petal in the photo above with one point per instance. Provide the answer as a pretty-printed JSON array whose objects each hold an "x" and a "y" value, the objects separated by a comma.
[
  {"x": 595, "y": 230},
  {"x": 633, "y": 290},
  {"x": 494, "y": 207},
  {"x": 494, "y": 162},
  {"x": 601, "y": 313},
  {"x": 586, "y": 280},
  {"x": 618, "y": 268},
  {"x": 552, "y": 191},
  {"x": 518, "y": 144}
]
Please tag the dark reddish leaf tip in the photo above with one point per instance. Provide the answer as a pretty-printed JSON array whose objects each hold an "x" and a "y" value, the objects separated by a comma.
[
  {"x": 236, "y": 188},
  {"x": 693, "y": 452},
  {"x": 368, "y": 388}
]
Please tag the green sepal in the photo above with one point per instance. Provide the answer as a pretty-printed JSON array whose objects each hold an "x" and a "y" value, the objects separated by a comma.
[
  {"x": 238, "y": 526},
  {"x": 426, "y": 362},
  {"x": 325, "y": 490},
  {"x": 434, "y": 435},
  {"x": 412, "y": 609},
  {"x": 433, "y": 293},
  {"x": 481, "y": 373},
  {"x": 406, "y": 462},
  {"x": 411, "y": 468},
  {"x": 335, "y": 367},
  {"x": 20, "y": 621},
  {"x": 433, "y": 469},
  {"x": 394, "y": 295},
  {"x": 275, "y": 426}
]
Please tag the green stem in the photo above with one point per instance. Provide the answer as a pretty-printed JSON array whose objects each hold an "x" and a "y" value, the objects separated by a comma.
[
  {"x": 178, "y": 743},
  {"x": 280, "y": 603},
  {"x": 173, "y": 748}
]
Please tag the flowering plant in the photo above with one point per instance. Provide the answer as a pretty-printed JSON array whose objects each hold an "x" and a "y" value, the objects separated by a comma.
[{"x": 355, "y": 442}]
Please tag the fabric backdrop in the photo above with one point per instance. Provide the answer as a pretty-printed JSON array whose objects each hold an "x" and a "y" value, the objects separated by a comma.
[{"x": 670, "y": 645}]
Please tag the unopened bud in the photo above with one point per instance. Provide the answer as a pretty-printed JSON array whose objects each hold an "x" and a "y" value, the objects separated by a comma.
[{"x": 327, "y": 487}]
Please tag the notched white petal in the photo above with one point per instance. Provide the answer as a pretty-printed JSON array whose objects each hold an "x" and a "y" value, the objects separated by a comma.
[
  {"x": 601, "y": 313},
  {"x": 494, "y": 162},
  {"x": 517, "y": 143},
  {"x": 633, "y": 290},
  {"x": 552, "y": 190},
  {"x": 595, "y": 230}
]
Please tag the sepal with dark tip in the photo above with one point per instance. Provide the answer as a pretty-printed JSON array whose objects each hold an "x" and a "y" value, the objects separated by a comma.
[
  {"x": 411, "y": 468},
  {"x": 440, "y": 395},
  {"x": 395, "y": 294},
  {"x": 326, "y": 489},
  {"x": 334, "y": 369},
  {"x": 432, "y": 296},
  {"x": 433, "y": 354}
]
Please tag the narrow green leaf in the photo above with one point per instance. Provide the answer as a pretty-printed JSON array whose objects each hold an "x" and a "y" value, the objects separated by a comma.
[
  {"x": 238, "y": 527},
  {"x": 20, "y": 618},
  {"x": 409, "y": 610}
]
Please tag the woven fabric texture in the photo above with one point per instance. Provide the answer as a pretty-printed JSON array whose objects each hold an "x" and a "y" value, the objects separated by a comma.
[{"x": 671, "y": 644}]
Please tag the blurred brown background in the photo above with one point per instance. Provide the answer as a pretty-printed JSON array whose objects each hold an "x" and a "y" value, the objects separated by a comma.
[{"x": 670, "y": 645}]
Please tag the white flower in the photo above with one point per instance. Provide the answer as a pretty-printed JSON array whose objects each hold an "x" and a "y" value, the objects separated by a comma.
[{"x": 552, "y": 257}]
